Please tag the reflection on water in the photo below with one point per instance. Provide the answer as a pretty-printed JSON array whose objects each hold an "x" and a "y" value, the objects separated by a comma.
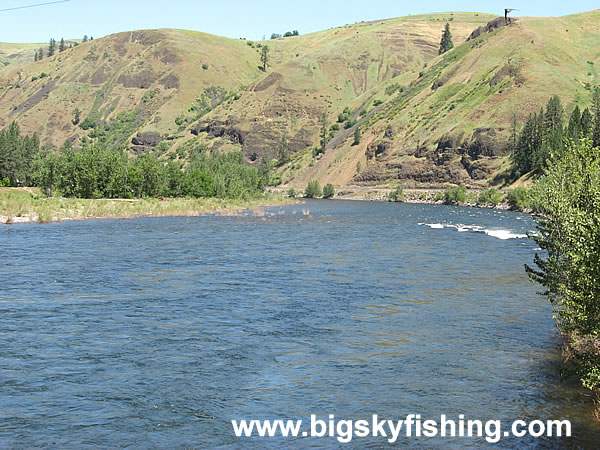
[{"x": 158, "y": 332}]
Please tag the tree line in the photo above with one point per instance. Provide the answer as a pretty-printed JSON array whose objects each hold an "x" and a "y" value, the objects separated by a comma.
[
  {"x": 547, "y": 132},
  {"x": 101, "y": 172},
  {"x": 52, "y": 48}
]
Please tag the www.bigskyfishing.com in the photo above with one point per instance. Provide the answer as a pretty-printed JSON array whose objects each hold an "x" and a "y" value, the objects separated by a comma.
[{"x": 413, "y": 425}]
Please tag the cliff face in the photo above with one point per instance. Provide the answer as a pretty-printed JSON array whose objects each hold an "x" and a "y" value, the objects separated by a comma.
[{"x": 422, "y": 118}]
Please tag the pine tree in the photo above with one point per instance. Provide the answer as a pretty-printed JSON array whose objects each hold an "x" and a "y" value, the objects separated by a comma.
[
  {"x": 52, "y": 47},
  {"x": 446, "y": 42},
  {"x": 596, "y": 117},
  {"x": 62, "y": 47},
  {"x": 283, "y": 156},
  {"x": 356, "y": 136},
  {"x": 513, "y": 140},
  {"x": 85, "y": 38},
  {"x": 264, "y": 57},
  {"x": 574, "y": 127},
  {"x": 35, "y": 56},
  {"x": 586, "y": 122}
]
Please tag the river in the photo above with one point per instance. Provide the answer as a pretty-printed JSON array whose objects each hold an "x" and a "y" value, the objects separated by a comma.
[{"x": 157, "y": 332}]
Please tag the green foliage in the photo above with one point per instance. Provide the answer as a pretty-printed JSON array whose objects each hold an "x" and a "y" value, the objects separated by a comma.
[
  {"x": 455, "y": 195},
  {"x": 283, "y": 151},
  {"x": 356, "y": 136},
  {"x": 596, "y": 117},
  {"x": 264, "y": 57},
  {"x": 292, "y": 193},
  {"x": 52, "y": 47},
  {"x": 17, "y": 154},
  {"x": 328, "y": 191},
  {"x": 204, "y": 66},
  {"x": 98, "y": 171},
  {"x": 489, "y": 197},
  {"x": 567, "y": 199},
  {"x": 392, "y": 88},
  {"x": 518, "y": 198},
  {"x": 541, "y": 135},
  {"x": 313, "y": 190},
  {"x": 76, "y": 116},
  {"x": 446, "y": 42},
  {"x": 344, "y": 116},
  {"x": 397, "y": 195}
]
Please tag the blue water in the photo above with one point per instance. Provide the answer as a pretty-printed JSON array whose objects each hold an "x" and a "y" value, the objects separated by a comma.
[{"x": 157, "y": 332}]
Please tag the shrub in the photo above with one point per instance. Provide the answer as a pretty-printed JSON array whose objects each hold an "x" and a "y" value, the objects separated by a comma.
[
  {"x": 518, "y": 198},
  {"x": 349, "y": 124},
  {"x": 292, "y": 193},
  {"x": 377, "y": 102},
  {"x": 455, "y": 195},
  {"x": 489, "y": 197},
  {"x": 328, "y": 191},
  {"x": 313, "y": 190},
  {"x": 397, "y": 195},
  {"x": 205, "y": 66}
]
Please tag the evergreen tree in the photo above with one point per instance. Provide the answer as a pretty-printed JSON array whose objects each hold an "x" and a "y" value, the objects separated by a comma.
[
  {"x": 40, "y": 54},
  {"x": 446, "y": 42},
  {"x": 52, "y": 47},
  {"x": 264, "y": 57},
  {"x": 283, "y": 155},
  {"x": 356, "y": 136},
  {"x": 85, "y": 38},
  {"x": 513, "y": 140},
  {"x": 35, "y": 56},
  {"x": 586, "y": 122},
  {"x": 596, "y": 117},
  {"x": 61, "y": 46},
  {"x": 574, "y": 127}
]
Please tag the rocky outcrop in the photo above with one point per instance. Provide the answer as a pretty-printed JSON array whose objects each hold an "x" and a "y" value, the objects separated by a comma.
[
  {"x": 216, "y": 128},
  {"x": 148, "y": 139},
  {"x": 492, "y": 25}
]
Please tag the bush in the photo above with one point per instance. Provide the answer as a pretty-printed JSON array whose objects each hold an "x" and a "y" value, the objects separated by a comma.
[
  {"x": 349, "y": 124},
  {"x": 328, "y": 191},
  {"x": 313, "y": 190},
  {"x": 490, "y": 197},
  {"x": 396, "y": 195},
  {"x": 377, "y": 102},
  {"x": 292, "y": 193},
  {"x": 518, "y": 198},
  {"x": 455, "y": 195}
]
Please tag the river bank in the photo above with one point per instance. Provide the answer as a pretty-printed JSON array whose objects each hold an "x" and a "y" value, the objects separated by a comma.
[
  {"x": 22, "y": 205},
  {"x": 430, "y": 196}
]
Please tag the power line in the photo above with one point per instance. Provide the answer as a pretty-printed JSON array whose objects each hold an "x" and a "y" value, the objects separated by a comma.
[{"x": 33, "y": 6}]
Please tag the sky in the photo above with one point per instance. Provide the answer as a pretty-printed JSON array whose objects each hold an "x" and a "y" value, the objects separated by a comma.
[{"x": 250, "y": 19}]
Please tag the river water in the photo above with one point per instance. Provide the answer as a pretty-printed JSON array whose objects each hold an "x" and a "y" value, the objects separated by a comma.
[{"x": 157, "y": 332}]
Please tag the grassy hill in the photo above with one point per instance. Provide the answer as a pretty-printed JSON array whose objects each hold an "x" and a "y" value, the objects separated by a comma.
[{"x": 423, "y": 119}]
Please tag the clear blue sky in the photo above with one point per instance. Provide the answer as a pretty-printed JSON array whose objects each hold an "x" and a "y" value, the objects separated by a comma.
[{"x": 250, "y": 19}]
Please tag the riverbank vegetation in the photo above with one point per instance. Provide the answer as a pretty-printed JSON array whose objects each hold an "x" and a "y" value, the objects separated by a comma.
[
  {"x": 30, "y": 205},
  {"x": 145, "y": 185},
  {"x": 568, "y": 200}
]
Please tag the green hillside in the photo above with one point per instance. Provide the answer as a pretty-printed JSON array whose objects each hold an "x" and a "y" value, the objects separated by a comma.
[{"x": 422, "y": 119}]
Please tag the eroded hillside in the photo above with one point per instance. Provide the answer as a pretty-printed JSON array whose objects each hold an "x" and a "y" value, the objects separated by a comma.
[{"x": 422, "y": 119}]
